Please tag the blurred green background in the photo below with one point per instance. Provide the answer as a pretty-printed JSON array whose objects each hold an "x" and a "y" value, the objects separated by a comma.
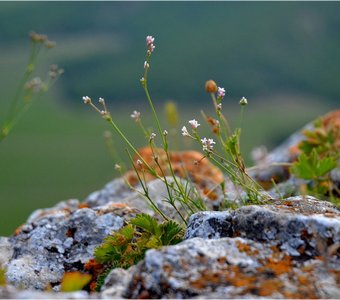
[{"x": 283, "y": 56}]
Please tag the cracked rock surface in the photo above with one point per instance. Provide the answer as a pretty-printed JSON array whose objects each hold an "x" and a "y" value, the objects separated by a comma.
[
  {"x": 60, "y": 239},
  {"x": 289, "y": 249}
]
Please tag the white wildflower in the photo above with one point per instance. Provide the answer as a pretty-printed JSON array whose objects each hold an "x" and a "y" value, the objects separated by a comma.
[
  {"x": 194, "y": 124},
  {"x": 220, "y": 92},
  {"x": 208, "y": 144},
  {"x": 135, "y": 115},
  {"x": 185, "y": 131},
  {"x": 87, "y": 99}
]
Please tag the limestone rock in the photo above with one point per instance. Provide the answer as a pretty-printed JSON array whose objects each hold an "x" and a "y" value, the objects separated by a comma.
[
  {"x": 116, "y": 283},
  {"x": 230, "y": 268},
  {"x": 301, "y": 227},
  {"x": 59, "y": 239},
  {"x": 6, "y": 251}
]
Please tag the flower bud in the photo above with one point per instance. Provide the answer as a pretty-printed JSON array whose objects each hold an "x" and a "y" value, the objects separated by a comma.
[
  {"x": 210, "y": 86},
  {"x": 243, "y": 101}
]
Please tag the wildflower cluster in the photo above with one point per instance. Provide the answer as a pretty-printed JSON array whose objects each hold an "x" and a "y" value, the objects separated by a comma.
[
  {"x": 230, "y": 160},
  {"x": 103, "y": 112},
  {"x": 149, "y": 43},
  {"x": 128, "y": 246}
]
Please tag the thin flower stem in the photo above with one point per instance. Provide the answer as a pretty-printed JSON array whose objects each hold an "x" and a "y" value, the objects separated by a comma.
[
  {"x": 221, "y": 117},
  {"x": 120, "y": 133},
  {"x": 165, "y": 143},
  {"x": 264, "y": 166},
  {"x": 146, "y": 191}
]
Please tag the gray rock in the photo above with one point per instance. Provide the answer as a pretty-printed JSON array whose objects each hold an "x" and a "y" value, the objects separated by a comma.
[
  {"x": 59, "y": 239},
  {"x": 10, "y": 292},
  {"x": 114, "y": 191},
  {"x": 116, "y": 283},
  {"x": 230, "y": 268},
  {"x": 118, "y": 192},
  {"x": 301, "y": 227},
  {"x": 6, "y": 252}
]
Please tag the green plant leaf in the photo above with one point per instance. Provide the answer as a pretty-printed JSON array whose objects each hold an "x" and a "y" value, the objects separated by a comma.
[
  {"x": 325, "y": 165},
  {"x": 313, "y": 166},
  {"x": 153, "y": 243},
  {"x": 147, "y": 223},
  {"x": 172, "y": 233},
  {"x": 113, "y": 247},
  {"x": 303, "y": 167}
]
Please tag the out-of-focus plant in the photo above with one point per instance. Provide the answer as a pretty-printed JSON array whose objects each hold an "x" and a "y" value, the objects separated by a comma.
[
  {"x": 320, "y": 154},
  {"x": 30, "y": 86}
]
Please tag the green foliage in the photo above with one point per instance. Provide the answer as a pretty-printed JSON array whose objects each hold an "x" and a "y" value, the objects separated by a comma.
[
  {"x": 322, "y": 139},
  {"x": 313, "y": 166},
  {"x": 320, "y": 155},
  {"x": 127, "y": 246}
]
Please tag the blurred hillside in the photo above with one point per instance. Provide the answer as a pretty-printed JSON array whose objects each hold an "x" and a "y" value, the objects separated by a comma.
[
  {"x": 252, "y": 48},
  {"x": 282, "y": 56}
]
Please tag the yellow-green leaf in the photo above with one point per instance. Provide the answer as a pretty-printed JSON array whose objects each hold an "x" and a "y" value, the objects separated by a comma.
[{"x": 74, "y": 281}]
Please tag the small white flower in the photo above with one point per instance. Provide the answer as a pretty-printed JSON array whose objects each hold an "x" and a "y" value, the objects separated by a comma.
[
  {"x": 135, "y": 115},
  {"x": 208, "y": 144},
  {"x": 149, "y": 40},
  {"x": 117, "y": 167},
  {"x": 149, "y": 43},
  {"x": 152, "y": 136},
  {"x": 220, "y": 92},
  {"x": 219, "y": 106},
  {"x": 165, "y": 132},
  {"x": 243, "y": 101},
  {"x": 146, "y": 65},
  {"x": 194, "y": 124},
  {"x": 185, "y": 131},
  {"x": 103, "y": 112},
  {"x": 87, "y": 99},
  {"x": 101, "y": 101},
  {"x": 139, "y": 162}
]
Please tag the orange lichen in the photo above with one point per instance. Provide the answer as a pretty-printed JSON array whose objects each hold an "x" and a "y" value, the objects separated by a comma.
[
  {"x": 191, "y": 165},
  {"x": 268, "y": 287},
  {"x": 303, "y": 279},
  {"x": 278, "y": 267},
  {"x": 18, "y": 230},
  {"x": 247, "y": 249},
  {"x": 83, "y": 205}
]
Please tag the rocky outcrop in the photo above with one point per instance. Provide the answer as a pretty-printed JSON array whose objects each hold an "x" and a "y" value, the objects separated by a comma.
[{"x": 286, "y": 248}]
